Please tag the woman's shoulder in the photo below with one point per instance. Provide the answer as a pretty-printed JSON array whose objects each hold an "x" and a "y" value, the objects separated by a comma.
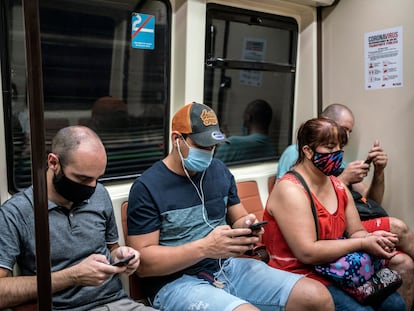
[
  {"x": 289, "y": 177},
  {"x": 288, "y": 188},
  {"x": 337, "y": 183}
]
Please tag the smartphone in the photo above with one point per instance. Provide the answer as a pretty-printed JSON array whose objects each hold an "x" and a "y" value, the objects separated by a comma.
[
  {"x": 256, "y": 226},
  {"x": 368, "y": 161},
  {"x": 123, "y": 262}
]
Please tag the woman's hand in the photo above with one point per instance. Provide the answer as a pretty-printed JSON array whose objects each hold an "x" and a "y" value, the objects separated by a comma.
[{"x": 380, "y": 244}]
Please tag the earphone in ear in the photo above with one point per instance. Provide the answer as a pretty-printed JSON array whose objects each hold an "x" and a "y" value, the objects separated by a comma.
[{"x": 179, "y": 137}]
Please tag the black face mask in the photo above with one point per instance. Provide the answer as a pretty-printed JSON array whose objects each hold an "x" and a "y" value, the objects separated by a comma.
[{"x": 70, "y": 190}]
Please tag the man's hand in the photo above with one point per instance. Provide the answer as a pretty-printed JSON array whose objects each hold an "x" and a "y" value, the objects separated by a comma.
[
  {"x": 354, "y": 172},
  {"x": 378, "y": 156},
  {"x": 123, "y": 252},
  {"x": 225, "y": 242},
  {"x": 93, "y": 271}
]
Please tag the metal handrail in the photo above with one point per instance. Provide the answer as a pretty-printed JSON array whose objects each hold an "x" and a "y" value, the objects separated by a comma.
[{"x": 248, "y": 65}]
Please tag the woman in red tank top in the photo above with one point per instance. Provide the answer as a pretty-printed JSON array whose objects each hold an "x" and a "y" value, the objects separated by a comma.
[{"x": 290, "y": 235}]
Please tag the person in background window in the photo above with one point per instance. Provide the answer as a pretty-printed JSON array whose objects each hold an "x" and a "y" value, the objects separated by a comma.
[
  {"x": 290, "y": 235},
  {"x": 256, "y": 142},
  {"x": 83, "y": 233},
  {"x": 185, "y": 218},
  {"x": 109, "y": 115},
  {"x": 110, "y": 120},
  {"x": 352, "y": 175},
  {"x": 20, "y": 111}
]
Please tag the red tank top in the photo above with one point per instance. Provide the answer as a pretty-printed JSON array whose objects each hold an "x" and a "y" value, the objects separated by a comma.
[{"x": 331, "y": 226}]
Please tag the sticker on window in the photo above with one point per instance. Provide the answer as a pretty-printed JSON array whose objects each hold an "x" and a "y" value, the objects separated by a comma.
[{"x": 142, "y": 31}]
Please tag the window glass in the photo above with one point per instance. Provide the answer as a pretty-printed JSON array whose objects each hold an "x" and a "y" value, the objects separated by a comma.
[
  {"x": 93, "y": 76},
  {"x": 249, "y": 81}
]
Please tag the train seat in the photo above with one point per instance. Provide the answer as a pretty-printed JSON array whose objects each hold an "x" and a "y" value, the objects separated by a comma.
[
  {"x": 249, "y": 195},
  {"x": 136, "y": 289}
]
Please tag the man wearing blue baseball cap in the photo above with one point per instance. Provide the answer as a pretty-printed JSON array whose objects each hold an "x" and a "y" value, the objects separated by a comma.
[{"x": 186, "y": 220}]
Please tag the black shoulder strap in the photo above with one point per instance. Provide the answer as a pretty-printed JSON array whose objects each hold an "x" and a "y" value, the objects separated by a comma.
[{"x": 315, "y": 215}]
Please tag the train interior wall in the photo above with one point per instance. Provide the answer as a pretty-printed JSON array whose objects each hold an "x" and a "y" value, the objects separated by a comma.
[{"x": 384, "y": 114}]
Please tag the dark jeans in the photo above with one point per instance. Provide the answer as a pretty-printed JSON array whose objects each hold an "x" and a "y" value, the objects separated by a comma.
[{"x": 344, "y": 302}]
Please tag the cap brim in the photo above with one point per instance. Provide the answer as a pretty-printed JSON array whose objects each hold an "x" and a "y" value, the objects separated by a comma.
[{"x": 209, "y": 138}]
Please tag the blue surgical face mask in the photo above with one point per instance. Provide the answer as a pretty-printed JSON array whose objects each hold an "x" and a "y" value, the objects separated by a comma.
[
  {"x": 328, "y": 163},
  {"x": 197, "y": 160}
]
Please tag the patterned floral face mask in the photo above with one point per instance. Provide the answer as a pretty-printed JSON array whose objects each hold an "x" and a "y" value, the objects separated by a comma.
[{"x": 328, "y": 163}]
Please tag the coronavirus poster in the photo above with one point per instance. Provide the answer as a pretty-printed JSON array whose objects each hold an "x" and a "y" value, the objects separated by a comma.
[{"x": 383, "y": 59}]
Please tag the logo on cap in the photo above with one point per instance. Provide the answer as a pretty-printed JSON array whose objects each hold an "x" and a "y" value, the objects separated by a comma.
[
  {"x": 217, "y": 135},
  {"x": 208, "y": 117}
]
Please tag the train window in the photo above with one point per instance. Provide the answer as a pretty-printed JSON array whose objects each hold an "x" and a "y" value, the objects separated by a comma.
[
  {"x": 249, "y": 80},
  {"x": 93, "y": 75}
]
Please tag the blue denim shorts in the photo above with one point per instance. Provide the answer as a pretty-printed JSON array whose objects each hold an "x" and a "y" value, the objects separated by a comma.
[
  {"x": 344, "y": 302},
  {"x": 244, "y": 281}
]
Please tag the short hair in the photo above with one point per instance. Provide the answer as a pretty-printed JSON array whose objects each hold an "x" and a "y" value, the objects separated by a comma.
[
  {"x": 319, "y": 131},
  {"x": 68, "y": 140},
  {"x": 260, "y": 112},
  {"x": 334, "y": 112},
  {"x": 109, "y": 114}
]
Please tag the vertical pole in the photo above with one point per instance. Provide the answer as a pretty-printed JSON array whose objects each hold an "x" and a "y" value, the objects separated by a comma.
[
  {"x": 38, "y": 152},
  {"x": 319, "y": 60}
]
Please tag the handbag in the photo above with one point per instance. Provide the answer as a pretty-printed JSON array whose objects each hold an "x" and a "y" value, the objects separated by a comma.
[
  {"x": 367, "y": 208},
  {"x": 383, "y": 283},
  {"x": 351, "y": 270},
  {"x": 361, "y": 276}
]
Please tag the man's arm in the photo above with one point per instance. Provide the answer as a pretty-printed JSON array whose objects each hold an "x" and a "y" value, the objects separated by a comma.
[
  {"x": 157, "y": 260},
  {"x": 377, "y": 187},
  {"x": 238, "y": 216},
  {"x": 355, "y": 172},
  {"x": 15, "y": 290},
  {"x": 353, "y": 175},
  {"x": 287, "y": 160},
  {"x": 92, "y": 271},
  {"x": 379, "y": 159}
]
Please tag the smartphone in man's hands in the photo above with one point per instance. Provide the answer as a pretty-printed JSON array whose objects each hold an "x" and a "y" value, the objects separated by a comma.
[
  {"x": 368, "y": 161},
  {"x": 257, "y": 225},
  {"x": 123, "y": 262}
]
